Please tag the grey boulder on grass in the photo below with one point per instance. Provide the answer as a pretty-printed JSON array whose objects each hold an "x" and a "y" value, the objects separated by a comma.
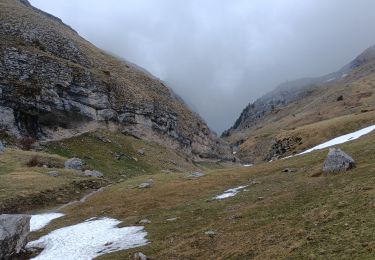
[
  {"x": 95, "y": 174},
  {"x": 74, "y": 164},
  {"x": 14, "y": 230},
  {"x": 338, "y": 161}
]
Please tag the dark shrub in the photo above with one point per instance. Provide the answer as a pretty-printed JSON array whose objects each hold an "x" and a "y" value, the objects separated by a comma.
[{"x": 26, "y": 143}]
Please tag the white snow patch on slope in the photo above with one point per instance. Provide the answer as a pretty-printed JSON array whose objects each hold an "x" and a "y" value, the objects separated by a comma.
[
  {"x": 230, "y": 193},
  {"x": 247, "y": 165},
  {"x": 88, "y": 240},
  {"x": 331, "y": 79},
  {"x": 342, "y": 139},
  {"x": 38, "y": 222}
]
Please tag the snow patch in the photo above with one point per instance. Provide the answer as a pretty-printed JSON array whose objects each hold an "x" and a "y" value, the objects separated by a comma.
[
  {"x": 342, "y": 139},
  {"x": 230, "y": 193},
  {"x": 88, "y": 240},
  {"x": 344, "y": 75},
  {"x": 247, "y": 165},
  {"x": 38, "y": 222},
  {"x": 331, "y": 79}
]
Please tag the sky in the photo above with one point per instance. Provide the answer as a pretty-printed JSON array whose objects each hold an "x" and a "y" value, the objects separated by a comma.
[{"x": 220, "y": 55}]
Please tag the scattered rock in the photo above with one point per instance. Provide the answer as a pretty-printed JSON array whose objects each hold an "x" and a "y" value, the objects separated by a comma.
[
  {"x": 289, "y": 170},
  {"x": 119, "y": 156},
  {"x": 338, "y": 161},
  {"x": 2, "y": 147},
  {"x": 340, "y": 98},
  {"x": 94, "y": 174},
  {"x": 144, "y": 221},
  {"x": 210, "y": 233},
  {"x": 254, "y": 182},
  {"x": 146, "y": 185},
  {"x": 14, "y": 230},
  {"x": 74, "y": 164},
  {"x": 342, "y": 204},
  {"x": 54, "y": 174},
  {"x": 140, "y": 256},
  {"x": 141, "y": 152},
  {"x": 195, "y": 175}
]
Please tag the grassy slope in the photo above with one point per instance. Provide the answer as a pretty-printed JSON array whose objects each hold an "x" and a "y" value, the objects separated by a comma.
[
  {"x": 24, "y": 188},
  {"x": 285, "y": 216},
  {"x": 316, "y": 118}
]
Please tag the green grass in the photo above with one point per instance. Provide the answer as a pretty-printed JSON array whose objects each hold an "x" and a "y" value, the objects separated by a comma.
[{"x": 99, "y": 151}]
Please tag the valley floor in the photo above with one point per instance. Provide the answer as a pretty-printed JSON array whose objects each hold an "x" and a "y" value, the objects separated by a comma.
[{"x": 289, "y": 209}]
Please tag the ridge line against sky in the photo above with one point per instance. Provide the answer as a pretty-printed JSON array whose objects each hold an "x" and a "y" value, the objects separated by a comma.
[{"x": 220, "y": 55}]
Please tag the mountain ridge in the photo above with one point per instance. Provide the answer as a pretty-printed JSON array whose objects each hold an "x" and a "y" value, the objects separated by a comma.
[{"x": 55, "y": 83}]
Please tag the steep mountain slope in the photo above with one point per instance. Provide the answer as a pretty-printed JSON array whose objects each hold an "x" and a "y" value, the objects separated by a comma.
[
  {"x": 286, "y": 120},
  {"x": 54, "y": 84}
]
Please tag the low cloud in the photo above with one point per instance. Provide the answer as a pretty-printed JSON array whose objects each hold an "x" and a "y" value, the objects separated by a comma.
[{"x": 220, "y": 55}]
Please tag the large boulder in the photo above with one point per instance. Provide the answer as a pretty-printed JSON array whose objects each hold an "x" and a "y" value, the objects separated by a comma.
[
  {"x": 14, "y": 230},
  {"x": 74, "y": 164},
  {"x": 338, "y": 161}
]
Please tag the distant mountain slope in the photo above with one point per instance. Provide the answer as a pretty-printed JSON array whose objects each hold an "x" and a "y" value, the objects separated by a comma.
[
  {"x": 54, "y": 84},
  {"x": 256, "y": 133}
]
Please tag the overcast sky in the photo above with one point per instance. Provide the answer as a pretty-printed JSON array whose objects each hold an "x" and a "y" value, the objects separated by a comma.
[{"x": 219, "y": 55}]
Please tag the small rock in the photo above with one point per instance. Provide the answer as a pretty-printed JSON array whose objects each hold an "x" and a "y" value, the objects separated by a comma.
[
  {"x": 119, "y": 156},
  {"x": 14, "y": 230},
  {"x": 171, "y": 219},
  {"x": 342, "y": 204},
  {"x": 260, "y": 198},
  {"x": 141, "y": 152},
  {"x": 210, "y": 233},
  {"x": 146, "y": 185},
  {"x": 195, "y": 175},
  {"x": 140, "y": 256},
  {"x": 94, "y": 174},
  {"x": 74, "y": 164},
  {"x": 254, "y": 182},
  {"x": 144, "y": 221},
  {"x": 54, "y": 174},
  {"x": 289, "y": 170},
  {"x": 2, "y": 147},
  {"x": 337, "y": 161}
]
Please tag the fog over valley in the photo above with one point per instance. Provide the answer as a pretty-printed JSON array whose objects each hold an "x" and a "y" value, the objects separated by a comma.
[{"x": 220, "y": 55}]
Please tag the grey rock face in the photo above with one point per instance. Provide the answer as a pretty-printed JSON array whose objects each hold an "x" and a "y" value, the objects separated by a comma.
[
  {"x": 13, "y": 234},
  {"x": 141, "y": 152},
  {"x": 53, "y": 84},
  {"x": 94, "y": 174},
  {"x": 74, "y": 164},
  {"x": 338, "y": 161},
  {"x": 2, "y": 147}
]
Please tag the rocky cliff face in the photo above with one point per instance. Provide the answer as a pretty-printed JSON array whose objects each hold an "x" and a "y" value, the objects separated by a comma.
[
  {"x": 292, "y": 91},
  {"x": 54, "y": 84},
  {"x": 282, "y": 122}
]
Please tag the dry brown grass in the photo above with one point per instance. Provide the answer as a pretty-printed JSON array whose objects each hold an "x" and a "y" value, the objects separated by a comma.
[
  {"x": 299, "y": 217},
  {"x": 316, "y": 118}
]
